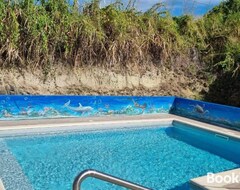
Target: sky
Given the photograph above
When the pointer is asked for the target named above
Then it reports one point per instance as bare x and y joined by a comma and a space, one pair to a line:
176, 7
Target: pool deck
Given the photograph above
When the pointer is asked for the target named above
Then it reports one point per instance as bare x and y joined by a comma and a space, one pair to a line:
64, 124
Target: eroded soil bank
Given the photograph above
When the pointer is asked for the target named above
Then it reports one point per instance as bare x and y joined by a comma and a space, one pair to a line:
100, 81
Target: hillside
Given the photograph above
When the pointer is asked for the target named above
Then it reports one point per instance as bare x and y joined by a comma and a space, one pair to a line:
52, 47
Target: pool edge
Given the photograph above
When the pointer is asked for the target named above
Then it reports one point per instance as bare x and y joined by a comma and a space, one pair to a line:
1, 185
8, 126
202, 182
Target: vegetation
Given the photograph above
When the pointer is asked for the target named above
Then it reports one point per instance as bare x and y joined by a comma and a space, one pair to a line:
48, 32
223, 36
44, 32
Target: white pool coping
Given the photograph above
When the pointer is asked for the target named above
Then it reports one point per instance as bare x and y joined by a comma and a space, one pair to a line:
1, 185
8, 127
202, 182
24, 127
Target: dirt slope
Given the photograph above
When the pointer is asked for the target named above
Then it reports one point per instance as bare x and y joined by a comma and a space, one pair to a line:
95, 81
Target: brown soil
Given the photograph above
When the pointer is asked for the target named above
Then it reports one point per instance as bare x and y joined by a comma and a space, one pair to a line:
96, 81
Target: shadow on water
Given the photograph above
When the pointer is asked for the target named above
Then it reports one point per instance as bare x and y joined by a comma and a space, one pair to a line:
225, 90
184, 186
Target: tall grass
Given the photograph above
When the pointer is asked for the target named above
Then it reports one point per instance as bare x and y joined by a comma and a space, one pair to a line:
47, 32
52, 31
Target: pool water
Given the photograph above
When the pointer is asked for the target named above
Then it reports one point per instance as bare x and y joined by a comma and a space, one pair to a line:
157, 157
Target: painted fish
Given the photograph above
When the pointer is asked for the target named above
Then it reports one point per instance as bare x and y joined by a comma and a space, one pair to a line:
137, 105
80, 108
200, 109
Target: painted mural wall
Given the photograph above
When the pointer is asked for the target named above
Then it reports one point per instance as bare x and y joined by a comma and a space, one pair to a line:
35, 107
208, 112
32, 107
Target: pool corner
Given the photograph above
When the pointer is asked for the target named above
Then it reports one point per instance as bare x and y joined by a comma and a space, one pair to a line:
219, 181
1, 185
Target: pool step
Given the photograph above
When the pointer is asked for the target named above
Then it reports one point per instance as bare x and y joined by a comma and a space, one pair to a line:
202, 183
10, 171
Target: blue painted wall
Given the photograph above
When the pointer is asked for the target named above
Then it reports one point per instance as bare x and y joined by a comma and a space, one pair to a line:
208, 112
34, 107
30, 107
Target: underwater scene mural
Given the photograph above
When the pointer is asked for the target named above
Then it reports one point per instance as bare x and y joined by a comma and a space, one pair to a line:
37, 107
217, 114
34, 107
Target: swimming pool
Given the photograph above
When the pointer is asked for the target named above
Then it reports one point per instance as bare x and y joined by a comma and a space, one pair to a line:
161, 157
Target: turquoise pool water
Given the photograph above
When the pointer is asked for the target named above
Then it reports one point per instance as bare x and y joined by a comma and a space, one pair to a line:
159, 157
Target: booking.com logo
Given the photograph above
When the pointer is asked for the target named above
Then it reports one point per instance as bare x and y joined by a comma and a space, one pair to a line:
226, 179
